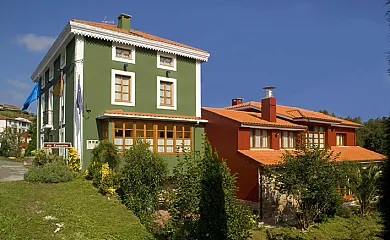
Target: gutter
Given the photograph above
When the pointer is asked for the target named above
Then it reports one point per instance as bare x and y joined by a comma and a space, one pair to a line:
108, 115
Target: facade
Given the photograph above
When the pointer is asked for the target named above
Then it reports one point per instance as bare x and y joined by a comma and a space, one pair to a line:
255, 134
103, 81
18, 125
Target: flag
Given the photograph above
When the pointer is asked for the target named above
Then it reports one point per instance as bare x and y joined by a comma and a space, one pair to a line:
34, 95
58, 89
79, 99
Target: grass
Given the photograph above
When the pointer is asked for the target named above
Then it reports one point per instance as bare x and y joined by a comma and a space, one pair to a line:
355, 227
84, 213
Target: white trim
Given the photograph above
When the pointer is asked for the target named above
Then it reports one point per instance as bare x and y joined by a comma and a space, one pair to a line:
174, 95
78, 119
109, 115
198, 89
43, 81
132, 86
113, 36
124, 46
346, 126
273, 127
50, 102
167, 55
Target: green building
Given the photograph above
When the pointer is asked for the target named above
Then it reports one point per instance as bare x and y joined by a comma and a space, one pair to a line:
132, 85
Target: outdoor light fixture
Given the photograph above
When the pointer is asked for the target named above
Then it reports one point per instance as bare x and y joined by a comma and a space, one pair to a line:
277, 134
167, 73
125, 66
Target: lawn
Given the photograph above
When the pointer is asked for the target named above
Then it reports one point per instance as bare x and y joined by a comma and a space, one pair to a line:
357, 228
83, 212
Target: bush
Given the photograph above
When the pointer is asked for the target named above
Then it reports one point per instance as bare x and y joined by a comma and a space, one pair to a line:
109, 180
106, 152
53, 172
73, 160
142, 178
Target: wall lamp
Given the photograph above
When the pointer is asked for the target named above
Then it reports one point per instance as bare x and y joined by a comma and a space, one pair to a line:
167, 73
125, 66
277, 134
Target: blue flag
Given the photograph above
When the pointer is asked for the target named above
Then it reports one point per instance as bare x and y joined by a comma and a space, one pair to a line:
79, 99
34, 95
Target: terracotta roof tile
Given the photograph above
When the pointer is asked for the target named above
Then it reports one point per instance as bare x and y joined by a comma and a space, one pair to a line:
121, 112
251, 118
134, 33
295, 113
347, 153
356, 153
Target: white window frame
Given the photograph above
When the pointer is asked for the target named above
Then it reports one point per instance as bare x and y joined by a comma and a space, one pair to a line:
43, 81
174, 96
127, 47
50, 107
42, 112
61, 139
159, 54
51, 72
62, 102
115, 72
63, 63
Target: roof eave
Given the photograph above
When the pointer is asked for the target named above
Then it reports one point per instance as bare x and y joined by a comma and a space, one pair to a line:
178, 119
264, 126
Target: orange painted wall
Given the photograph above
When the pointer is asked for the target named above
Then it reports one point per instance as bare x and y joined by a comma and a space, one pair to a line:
227, 137
350, 135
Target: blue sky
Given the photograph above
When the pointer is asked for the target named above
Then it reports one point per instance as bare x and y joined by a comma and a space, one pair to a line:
318, 54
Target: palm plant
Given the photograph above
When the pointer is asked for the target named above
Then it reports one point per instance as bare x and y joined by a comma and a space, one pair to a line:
364, 183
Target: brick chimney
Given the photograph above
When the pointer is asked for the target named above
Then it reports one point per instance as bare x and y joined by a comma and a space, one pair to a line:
124, 21
236, 101
268, 105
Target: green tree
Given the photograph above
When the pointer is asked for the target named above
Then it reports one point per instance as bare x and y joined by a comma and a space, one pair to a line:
8, 143
364, 183
372, 135
199, 180
310, 176
32, 144
385, 185
142, 178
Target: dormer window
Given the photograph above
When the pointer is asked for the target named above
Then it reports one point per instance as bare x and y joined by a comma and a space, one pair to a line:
123, 53
166, 61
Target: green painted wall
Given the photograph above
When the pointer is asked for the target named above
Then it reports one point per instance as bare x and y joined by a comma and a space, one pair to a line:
97, 86
69, 91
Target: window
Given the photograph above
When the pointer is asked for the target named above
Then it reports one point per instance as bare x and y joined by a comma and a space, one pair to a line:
340, 139
43, 82
51, 73
287, 140
50, 107
259, 138
122, 88
62, 103
163, 138
166, 93
315, 137
43, 108
166, 61
123, 53
63, 60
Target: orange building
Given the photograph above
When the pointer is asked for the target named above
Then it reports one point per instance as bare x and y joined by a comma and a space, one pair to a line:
252, 135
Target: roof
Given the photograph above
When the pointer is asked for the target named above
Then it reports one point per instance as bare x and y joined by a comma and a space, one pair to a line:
135, 33
252, 118
9, 106
139, 115
3, 117
347, 153
297, 113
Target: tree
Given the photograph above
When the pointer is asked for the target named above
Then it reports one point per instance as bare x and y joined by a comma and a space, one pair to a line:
310, 176
205, 204
8, 143
32, 144
372, 135
364, 183
142, 178
385, 185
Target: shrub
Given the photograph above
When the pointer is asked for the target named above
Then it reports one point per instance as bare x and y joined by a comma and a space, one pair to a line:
73, 160
52, 172
106, 152
39, 157
142, 178
109, 180
9, 143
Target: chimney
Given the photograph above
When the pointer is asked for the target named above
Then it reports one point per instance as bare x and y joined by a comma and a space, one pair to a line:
236, 101
268, 105
124, 21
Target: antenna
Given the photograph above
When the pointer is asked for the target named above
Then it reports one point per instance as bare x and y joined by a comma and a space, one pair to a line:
107, 22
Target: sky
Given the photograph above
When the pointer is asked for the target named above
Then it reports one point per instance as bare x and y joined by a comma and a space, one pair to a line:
318, 54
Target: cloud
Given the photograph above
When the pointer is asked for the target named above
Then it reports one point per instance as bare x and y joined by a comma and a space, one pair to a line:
35, 43
18, 84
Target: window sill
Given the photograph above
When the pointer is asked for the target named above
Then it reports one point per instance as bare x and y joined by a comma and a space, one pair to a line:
167, 67
166, 107
129, 104
124, 60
